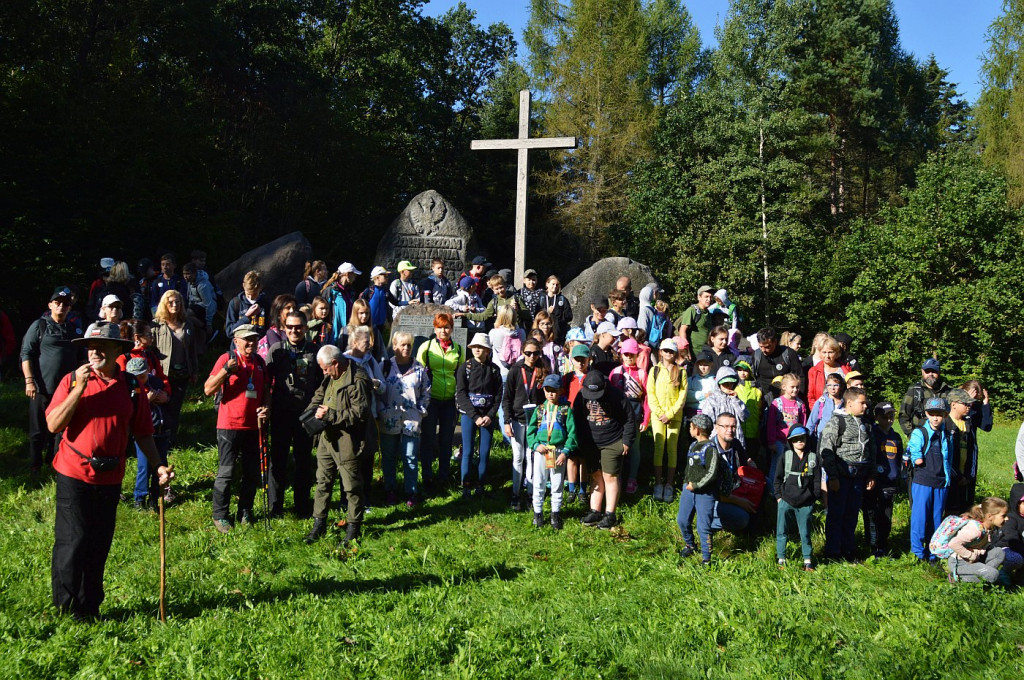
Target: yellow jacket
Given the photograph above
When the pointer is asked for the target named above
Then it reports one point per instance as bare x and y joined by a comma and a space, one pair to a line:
663, 398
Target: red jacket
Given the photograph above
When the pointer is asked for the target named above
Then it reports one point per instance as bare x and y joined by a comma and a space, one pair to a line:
816, 380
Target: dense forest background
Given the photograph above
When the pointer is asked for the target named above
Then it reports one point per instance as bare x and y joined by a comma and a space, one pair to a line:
826, 177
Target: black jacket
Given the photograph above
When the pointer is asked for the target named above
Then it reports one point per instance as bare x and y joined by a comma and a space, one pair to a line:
517, 394
1012, 533
804, 485
296, 376
619, 423
480, 383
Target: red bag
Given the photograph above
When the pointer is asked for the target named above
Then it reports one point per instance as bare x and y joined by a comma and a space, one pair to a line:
751, 486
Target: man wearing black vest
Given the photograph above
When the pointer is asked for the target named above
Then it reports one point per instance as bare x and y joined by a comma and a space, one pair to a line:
773, 360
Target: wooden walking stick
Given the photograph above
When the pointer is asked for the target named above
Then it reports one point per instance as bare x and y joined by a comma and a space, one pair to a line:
163, 560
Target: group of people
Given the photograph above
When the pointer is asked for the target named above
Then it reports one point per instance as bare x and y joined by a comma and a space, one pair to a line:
584, 408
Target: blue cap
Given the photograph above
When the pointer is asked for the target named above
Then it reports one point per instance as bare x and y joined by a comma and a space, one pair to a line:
797, 431
931, 365
936, 404
576, 334
552, 382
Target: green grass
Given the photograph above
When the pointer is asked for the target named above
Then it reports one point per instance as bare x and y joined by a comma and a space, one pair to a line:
469, 589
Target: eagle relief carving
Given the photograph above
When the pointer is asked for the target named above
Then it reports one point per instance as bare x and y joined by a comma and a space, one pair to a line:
427, 214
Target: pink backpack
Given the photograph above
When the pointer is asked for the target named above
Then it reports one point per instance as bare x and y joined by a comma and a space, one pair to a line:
512, 349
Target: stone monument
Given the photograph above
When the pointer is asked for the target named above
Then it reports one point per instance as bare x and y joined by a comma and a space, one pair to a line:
429, 227
419, 320
599, 279
281, 262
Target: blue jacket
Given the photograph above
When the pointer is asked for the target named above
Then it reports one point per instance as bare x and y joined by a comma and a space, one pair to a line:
377, 297
921, 439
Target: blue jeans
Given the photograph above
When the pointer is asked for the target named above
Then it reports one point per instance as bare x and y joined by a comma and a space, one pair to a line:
925, 516
802, 517
841, 520
146, 482
732, 518
703, 506
438, 432
390, 447
1012, 560
469, 430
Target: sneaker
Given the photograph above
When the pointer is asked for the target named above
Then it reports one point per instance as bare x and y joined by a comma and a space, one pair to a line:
667, 493
592, 518
687, 551
538, 519
245, 518
556, 521
608, 521
467, 492
516, 504
631, 486
658, 489
139, 505
952, 577
808, 566
222, 525
781, 563
412, 501
705, 563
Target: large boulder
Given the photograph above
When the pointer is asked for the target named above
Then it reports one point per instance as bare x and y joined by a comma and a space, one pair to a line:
600, 278
281, 262
429, 227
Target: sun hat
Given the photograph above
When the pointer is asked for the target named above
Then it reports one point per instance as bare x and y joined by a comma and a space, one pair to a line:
481, 340
101, 330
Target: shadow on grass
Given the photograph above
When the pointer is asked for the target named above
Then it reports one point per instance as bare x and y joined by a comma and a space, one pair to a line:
196, 606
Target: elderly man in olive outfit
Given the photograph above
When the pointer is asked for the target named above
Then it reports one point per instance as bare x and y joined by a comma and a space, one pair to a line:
343, 405
294, 375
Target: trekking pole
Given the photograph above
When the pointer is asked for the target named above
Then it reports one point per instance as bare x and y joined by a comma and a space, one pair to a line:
264, 472
163, 560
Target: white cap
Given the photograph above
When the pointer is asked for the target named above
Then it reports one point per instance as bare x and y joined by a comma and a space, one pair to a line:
348, 268
107, 262
607, 327
377, 271
627, 322
110, 300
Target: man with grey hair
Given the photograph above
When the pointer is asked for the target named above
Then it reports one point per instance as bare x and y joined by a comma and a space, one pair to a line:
343, 404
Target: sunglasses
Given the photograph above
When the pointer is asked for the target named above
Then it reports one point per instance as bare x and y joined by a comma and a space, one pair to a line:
531, 354
294, 327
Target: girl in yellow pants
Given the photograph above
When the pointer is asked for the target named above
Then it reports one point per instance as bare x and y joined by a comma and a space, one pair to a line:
666, 395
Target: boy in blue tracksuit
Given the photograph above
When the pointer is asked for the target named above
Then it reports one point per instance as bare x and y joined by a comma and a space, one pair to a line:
930, 452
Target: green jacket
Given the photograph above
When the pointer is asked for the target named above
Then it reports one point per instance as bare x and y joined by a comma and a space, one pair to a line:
441, 366
347, 399
491, 310
563, 430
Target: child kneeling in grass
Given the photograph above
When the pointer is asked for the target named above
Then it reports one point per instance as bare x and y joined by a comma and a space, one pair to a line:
551, 436
797, 484
700, 488
965, 540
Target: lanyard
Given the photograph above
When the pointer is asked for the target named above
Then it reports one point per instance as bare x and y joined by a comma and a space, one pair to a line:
529, 386
550, 418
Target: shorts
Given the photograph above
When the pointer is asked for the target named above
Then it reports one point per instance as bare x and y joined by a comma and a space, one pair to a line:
607, 458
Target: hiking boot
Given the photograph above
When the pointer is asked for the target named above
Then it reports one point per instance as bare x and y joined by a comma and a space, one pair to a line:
608, 521
592, 518
318, 530
245, 518
516, 504
222, 525
631, 486
781, 563
352, 533
687, 551
467, 492
538, 519
556, 521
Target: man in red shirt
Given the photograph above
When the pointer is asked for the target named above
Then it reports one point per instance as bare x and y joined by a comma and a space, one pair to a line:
94, 408
240, 375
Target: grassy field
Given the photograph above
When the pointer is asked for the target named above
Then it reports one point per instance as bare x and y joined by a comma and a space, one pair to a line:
469, 589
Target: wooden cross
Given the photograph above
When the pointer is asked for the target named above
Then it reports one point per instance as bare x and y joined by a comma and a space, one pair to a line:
523, 144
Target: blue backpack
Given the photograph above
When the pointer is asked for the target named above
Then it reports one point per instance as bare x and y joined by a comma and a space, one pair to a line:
657, 333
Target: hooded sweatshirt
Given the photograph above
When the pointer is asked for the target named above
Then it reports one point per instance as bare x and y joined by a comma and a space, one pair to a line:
718, 402
1012, 534
646, 315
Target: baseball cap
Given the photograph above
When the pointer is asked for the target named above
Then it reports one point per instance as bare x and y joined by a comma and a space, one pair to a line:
377, 271
552, 382
405, 266
61, 291
480, 260
705, 356
580, 351
110, 300
630, 346
843, 338
960, 395
594, 385
797, 431
137, 366
853, 375
607, 327
726, 374
931, 365
884, 407
705, 289
936, 404
245, 331
703, 422
668, 344
348, 268
530, 274
467, 282
576, 334
627, 322
744, 365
